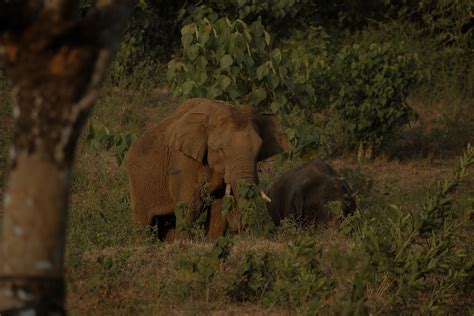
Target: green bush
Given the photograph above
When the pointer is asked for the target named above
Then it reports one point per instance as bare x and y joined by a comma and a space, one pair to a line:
99, 135
308, 51
230, 60
270, 12
290, 279
441, 20
148, 43
371, 84
434, 31
411, 253
196, 271
254, 216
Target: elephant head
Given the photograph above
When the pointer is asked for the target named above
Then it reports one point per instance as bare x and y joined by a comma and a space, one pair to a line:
229, 139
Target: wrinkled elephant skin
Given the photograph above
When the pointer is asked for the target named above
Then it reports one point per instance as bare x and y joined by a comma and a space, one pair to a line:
205, 145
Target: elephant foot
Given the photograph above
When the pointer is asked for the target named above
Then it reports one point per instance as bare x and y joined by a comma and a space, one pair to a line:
163, 227
170, 235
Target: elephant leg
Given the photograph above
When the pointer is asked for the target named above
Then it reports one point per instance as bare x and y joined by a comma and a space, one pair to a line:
169, 235
217, 221
185, 185
163, 227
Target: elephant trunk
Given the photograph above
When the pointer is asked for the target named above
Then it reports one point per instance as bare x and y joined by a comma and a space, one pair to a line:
243, 170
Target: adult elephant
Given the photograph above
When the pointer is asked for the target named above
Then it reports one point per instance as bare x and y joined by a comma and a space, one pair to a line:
204, 145
304, 193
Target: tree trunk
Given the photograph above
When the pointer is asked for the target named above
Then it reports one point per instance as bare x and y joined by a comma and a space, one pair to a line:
56, 63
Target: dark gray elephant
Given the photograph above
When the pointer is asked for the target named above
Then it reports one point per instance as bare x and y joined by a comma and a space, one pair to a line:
305, 191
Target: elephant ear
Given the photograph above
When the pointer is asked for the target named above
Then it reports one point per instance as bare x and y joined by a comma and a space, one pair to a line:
273, 137
189, 135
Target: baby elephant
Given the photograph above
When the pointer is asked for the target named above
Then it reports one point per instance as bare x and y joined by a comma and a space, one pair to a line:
305, 191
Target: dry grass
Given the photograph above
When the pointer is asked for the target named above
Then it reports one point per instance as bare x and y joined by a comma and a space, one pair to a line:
112, 269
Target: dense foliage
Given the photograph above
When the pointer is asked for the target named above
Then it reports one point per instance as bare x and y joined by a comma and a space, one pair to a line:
371, 85
393, 261
233, 61
354, 60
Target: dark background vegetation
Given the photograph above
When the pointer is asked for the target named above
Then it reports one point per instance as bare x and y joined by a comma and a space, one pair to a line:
383, 90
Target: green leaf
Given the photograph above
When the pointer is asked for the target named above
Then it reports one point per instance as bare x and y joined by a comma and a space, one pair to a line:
249, 62
226, 61
186, 40
276, 56
258, 95
257, 29
203, 38
214, 92
290, 133
262, 71
224, 82
275, 107
228, 203
274, 80
187, 87
267, 38
192, 52
203, 77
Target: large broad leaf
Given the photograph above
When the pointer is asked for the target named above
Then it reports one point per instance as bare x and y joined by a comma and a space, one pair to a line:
187, 35
203, 77
192, 52
226, 61
258, 95
257, 29
187, 87
274, 80
262, 71
267, 38
275, 107
214, 92
224, 82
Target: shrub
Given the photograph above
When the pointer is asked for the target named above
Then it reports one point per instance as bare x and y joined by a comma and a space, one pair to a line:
148, 43
254, 216
289, 279
99, 135
196, 271
271, 12
230, 60
413, 252
371, 84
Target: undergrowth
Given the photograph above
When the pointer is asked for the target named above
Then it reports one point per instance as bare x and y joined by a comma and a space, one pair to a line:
401, 260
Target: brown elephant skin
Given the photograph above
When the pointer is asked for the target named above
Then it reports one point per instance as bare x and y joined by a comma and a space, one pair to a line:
205, 145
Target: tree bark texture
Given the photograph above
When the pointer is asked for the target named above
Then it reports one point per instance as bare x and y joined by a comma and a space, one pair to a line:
56, 63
